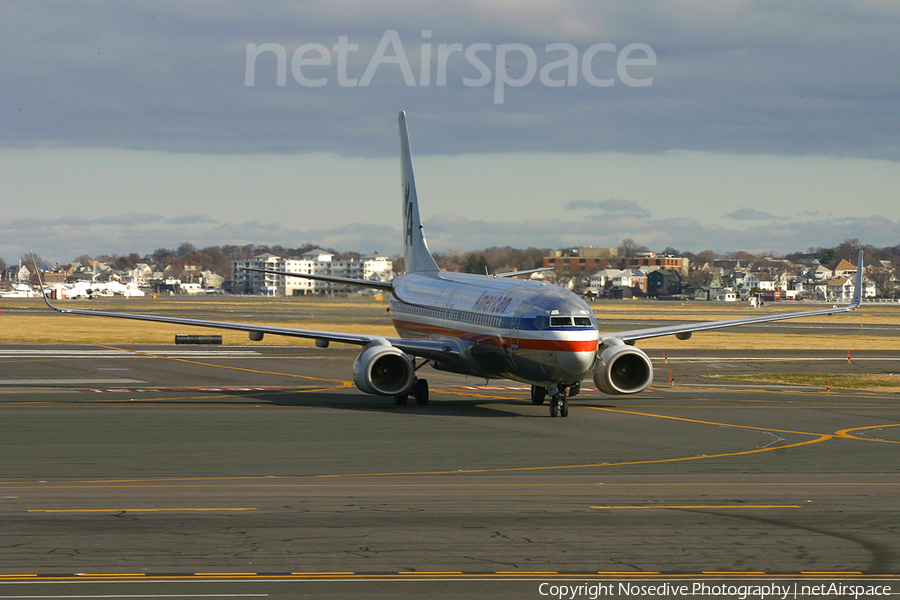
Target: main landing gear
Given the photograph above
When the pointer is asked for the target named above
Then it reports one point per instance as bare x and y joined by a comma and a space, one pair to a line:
419, 391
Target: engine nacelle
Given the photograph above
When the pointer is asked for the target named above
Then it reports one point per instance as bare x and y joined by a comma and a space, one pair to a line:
384, 370
622, 369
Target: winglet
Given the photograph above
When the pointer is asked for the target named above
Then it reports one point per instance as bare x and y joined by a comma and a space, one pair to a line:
858, 285
415, 250
40, 279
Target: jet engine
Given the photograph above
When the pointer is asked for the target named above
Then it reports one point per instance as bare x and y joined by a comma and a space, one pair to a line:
621, 369
383, 370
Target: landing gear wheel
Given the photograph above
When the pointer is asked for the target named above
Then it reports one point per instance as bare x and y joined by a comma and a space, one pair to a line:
420, 391
559, 404
538, 394
401, 399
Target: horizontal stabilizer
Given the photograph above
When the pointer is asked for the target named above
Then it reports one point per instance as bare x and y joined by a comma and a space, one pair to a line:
378, 285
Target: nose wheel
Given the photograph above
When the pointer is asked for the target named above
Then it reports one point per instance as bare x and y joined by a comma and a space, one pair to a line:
559, 403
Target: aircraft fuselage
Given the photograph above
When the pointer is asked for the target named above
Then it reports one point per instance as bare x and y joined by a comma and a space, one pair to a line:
523, 330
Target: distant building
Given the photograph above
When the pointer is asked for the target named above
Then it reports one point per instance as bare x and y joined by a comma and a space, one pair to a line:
609, 278
662, 261
663, 282
844, 269
315, 262
580, 261
760, 282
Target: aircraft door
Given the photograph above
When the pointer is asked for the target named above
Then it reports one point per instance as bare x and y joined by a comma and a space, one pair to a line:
515, 326
514, 334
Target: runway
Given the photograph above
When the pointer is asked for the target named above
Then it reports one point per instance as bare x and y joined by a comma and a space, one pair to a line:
250, 470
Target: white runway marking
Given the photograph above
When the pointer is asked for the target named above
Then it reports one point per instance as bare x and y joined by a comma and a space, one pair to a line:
141, 596
68, 381
53, 353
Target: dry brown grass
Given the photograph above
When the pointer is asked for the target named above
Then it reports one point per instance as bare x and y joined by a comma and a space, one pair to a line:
75, 329
29, 321
881, 383
725, 340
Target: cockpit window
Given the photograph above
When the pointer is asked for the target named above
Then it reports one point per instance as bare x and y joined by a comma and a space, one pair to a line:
543, 321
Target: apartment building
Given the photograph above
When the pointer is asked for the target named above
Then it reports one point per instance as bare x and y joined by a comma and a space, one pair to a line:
315, 262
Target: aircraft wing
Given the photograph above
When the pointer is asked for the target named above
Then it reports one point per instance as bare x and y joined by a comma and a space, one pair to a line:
685, 330
423, 348
433, 349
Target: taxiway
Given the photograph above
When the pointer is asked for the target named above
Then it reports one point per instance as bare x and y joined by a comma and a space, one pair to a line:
254, 465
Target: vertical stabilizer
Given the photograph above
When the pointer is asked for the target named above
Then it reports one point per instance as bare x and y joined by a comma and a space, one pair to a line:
415, 250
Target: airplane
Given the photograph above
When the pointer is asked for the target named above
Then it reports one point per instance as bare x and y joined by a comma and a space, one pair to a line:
486, 326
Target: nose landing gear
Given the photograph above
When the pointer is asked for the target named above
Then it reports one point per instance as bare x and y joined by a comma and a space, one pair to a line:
559, 401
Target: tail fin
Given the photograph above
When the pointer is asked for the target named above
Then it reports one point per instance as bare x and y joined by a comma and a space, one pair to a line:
415, 249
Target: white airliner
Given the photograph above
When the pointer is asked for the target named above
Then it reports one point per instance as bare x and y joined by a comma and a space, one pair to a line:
495, 327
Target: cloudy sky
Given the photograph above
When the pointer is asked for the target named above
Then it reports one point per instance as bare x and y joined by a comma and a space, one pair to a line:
693, 124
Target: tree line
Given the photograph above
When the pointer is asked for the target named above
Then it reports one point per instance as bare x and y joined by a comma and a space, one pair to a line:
497, 259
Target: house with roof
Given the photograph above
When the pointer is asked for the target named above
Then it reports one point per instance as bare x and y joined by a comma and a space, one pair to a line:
844, 269
624, 278
819, 273
760, 282
839, 289
663, 282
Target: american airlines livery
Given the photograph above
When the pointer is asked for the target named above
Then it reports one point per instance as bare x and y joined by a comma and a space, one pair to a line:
484, 326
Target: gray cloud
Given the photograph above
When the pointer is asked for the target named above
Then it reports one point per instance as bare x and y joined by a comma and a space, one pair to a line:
731, 78
745, 78
126, 219
447, 232
192, 220
62, 239
749, 214
613, 206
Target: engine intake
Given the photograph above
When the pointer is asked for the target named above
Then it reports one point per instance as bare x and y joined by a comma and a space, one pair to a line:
622, 369
383, 370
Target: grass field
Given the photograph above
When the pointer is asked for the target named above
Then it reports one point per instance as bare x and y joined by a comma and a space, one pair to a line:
882, 383
30, 321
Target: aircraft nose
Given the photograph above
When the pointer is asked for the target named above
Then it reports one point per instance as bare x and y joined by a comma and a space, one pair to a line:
576, 363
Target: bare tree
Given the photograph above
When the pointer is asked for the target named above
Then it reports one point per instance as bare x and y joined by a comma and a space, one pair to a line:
627, 249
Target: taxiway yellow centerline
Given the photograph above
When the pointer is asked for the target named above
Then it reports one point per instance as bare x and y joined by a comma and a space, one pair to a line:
342, 383
845, 433
696, 506
122, 510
